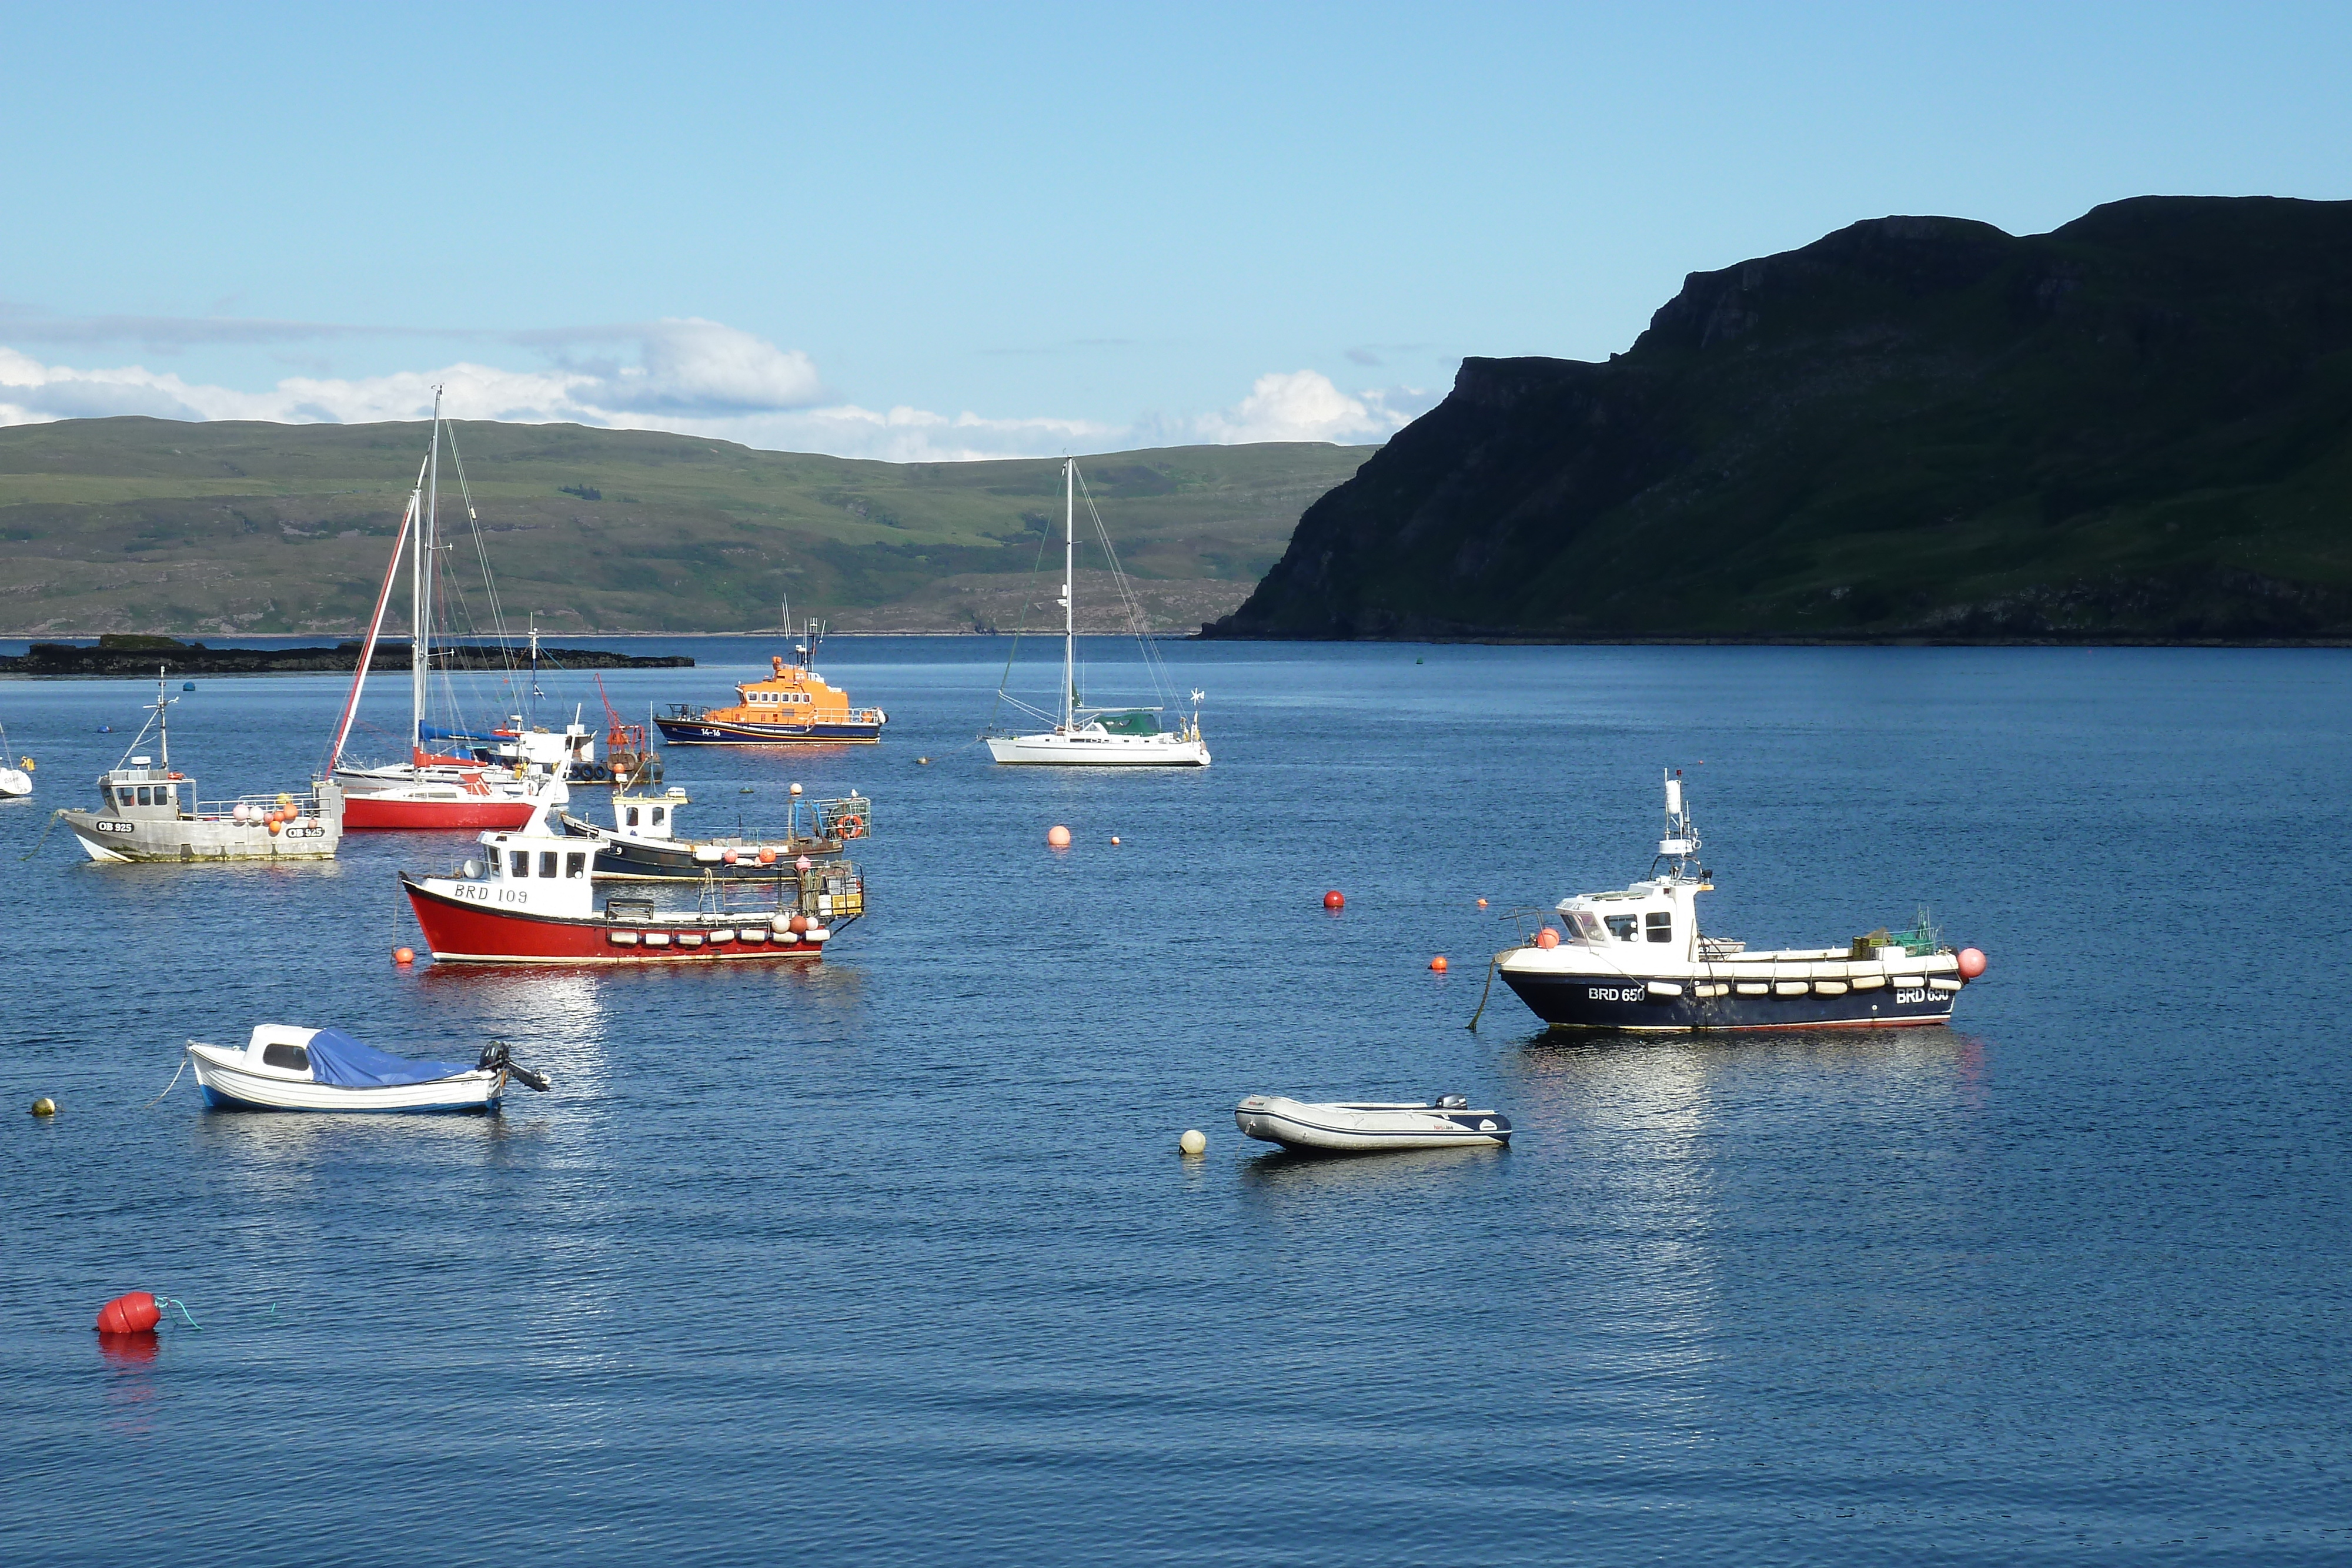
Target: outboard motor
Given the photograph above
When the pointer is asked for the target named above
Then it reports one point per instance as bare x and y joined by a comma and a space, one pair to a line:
1453, 1103
495, 1057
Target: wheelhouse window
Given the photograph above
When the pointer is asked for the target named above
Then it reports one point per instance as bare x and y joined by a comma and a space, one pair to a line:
1662, 927
1583, 925
292, 1058
1624, 927
632, 816
146, 796
657, 816
575, 866
519, 863
547, 863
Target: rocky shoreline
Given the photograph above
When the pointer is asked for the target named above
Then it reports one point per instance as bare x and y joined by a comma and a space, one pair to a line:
145, 655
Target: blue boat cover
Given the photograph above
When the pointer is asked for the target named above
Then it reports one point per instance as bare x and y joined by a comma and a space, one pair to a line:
435, 732
336, 1058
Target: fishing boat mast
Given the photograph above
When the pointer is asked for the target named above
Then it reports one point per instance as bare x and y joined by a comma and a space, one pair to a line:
1069, 613
163, 721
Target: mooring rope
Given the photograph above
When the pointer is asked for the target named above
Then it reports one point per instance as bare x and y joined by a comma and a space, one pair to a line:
44, 839
1491, 964
173, 1084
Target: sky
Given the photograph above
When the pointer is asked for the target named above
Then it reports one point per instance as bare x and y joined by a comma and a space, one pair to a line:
921, 233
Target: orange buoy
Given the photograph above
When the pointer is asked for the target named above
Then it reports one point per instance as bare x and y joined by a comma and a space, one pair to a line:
1335, 899
133, 1313
1546, 938
403, 955
1058, 836
1437, 965
1482, 903
767, 854
1114, 837
275, 827
728, 856
797, 924
1972, 963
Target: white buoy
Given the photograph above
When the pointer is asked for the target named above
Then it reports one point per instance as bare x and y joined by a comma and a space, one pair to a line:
1193, 1142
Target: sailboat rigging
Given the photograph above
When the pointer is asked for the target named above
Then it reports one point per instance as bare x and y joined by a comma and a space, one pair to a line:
427, 791
1085, 735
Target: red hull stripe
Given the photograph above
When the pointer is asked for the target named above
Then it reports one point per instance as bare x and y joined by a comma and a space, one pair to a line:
469, 933
390, 811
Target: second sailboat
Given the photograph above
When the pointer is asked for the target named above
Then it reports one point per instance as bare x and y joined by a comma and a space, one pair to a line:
1085, 735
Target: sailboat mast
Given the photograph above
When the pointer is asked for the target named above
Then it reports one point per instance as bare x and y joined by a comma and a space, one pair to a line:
420, 653
1069, 607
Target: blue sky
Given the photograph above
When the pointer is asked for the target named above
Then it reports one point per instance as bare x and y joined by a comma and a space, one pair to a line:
912, 232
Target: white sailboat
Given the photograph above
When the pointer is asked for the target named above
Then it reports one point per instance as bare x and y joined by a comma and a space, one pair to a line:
427, 791
16, 782
1084, 735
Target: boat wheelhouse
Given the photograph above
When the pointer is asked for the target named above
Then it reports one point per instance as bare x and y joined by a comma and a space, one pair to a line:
793, 705
1635, 958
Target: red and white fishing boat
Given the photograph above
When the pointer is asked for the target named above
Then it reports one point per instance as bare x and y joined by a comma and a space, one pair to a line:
429, 791
530, 900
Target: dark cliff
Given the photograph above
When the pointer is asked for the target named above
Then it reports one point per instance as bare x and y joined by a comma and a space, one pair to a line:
2138, 427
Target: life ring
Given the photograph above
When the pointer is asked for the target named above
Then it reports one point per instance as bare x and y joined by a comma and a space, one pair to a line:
850, 827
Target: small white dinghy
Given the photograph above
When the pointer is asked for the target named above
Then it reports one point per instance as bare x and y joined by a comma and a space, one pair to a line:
1350, 1126
283, 1069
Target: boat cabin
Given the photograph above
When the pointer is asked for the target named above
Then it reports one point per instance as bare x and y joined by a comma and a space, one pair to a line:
144, 792
1660, 917
651, 817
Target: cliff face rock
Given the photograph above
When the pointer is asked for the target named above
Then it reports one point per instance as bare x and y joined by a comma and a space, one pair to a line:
2137, 425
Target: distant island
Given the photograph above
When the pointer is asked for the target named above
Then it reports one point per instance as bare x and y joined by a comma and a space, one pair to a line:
2135, 428
127, 654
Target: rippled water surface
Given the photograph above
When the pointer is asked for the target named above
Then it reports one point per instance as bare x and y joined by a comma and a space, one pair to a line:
896, 1260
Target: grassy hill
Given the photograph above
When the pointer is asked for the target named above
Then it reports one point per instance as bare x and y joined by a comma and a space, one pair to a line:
2138, 427
145, 525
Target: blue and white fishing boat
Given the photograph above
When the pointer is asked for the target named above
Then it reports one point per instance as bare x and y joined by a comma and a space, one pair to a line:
1635, 958
290, 1069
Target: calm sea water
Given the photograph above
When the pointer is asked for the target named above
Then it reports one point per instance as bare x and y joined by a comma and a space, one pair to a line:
896, 1260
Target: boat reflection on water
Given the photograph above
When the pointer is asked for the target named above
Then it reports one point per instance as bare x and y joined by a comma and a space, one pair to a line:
1556, 1075
1279, 1171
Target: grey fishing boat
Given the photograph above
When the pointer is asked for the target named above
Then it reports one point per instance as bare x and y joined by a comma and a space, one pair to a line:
147, 811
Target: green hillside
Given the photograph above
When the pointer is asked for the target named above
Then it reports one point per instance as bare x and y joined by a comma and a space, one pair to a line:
2138, 427
145, 525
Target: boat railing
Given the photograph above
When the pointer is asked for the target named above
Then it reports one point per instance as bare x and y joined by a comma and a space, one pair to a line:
686, 711
307, 804
845, 820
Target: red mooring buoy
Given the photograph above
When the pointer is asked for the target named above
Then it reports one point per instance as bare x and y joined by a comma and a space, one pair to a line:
1335, 899
134, 1314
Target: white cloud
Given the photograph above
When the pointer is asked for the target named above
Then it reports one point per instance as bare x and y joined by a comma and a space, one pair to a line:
1303, 406
697, 378
695, 366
